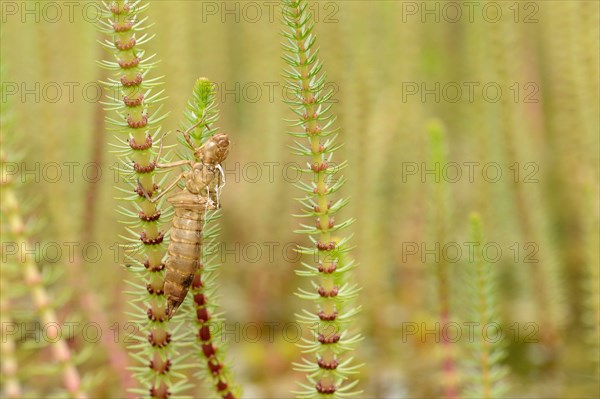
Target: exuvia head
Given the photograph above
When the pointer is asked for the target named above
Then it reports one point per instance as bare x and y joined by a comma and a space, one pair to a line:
214, 151
207, 171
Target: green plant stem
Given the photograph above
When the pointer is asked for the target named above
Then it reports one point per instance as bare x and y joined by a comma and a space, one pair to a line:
41, 300
209, 349
322, 199
329, 372
482, 278
9, 366
132, 104
12, 387
441, 218
204, 286
318, 158
490, 382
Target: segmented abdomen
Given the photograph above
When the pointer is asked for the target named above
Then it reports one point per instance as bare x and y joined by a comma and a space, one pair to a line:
185, 251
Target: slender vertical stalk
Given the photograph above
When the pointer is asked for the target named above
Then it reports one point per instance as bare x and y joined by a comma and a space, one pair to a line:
440, 219
488, 380
40, 298
137, 124
8, 274
328, 371
10, 381
216, 372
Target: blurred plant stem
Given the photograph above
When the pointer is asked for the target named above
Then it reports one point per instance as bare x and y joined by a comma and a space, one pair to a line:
440, 220
34, 282
486, 374
10, 380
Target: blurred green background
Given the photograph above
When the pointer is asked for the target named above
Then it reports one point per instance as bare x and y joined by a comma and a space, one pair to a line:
515, 84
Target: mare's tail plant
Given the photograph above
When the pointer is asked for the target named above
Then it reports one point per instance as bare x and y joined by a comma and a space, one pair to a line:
328, 366
10, 282
136, 123
22, 268
209, 344
486, 373
440, 220
10, 384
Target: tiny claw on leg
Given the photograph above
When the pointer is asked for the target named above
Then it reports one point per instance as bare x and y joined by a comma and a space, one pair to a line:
186, 134
188, 139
